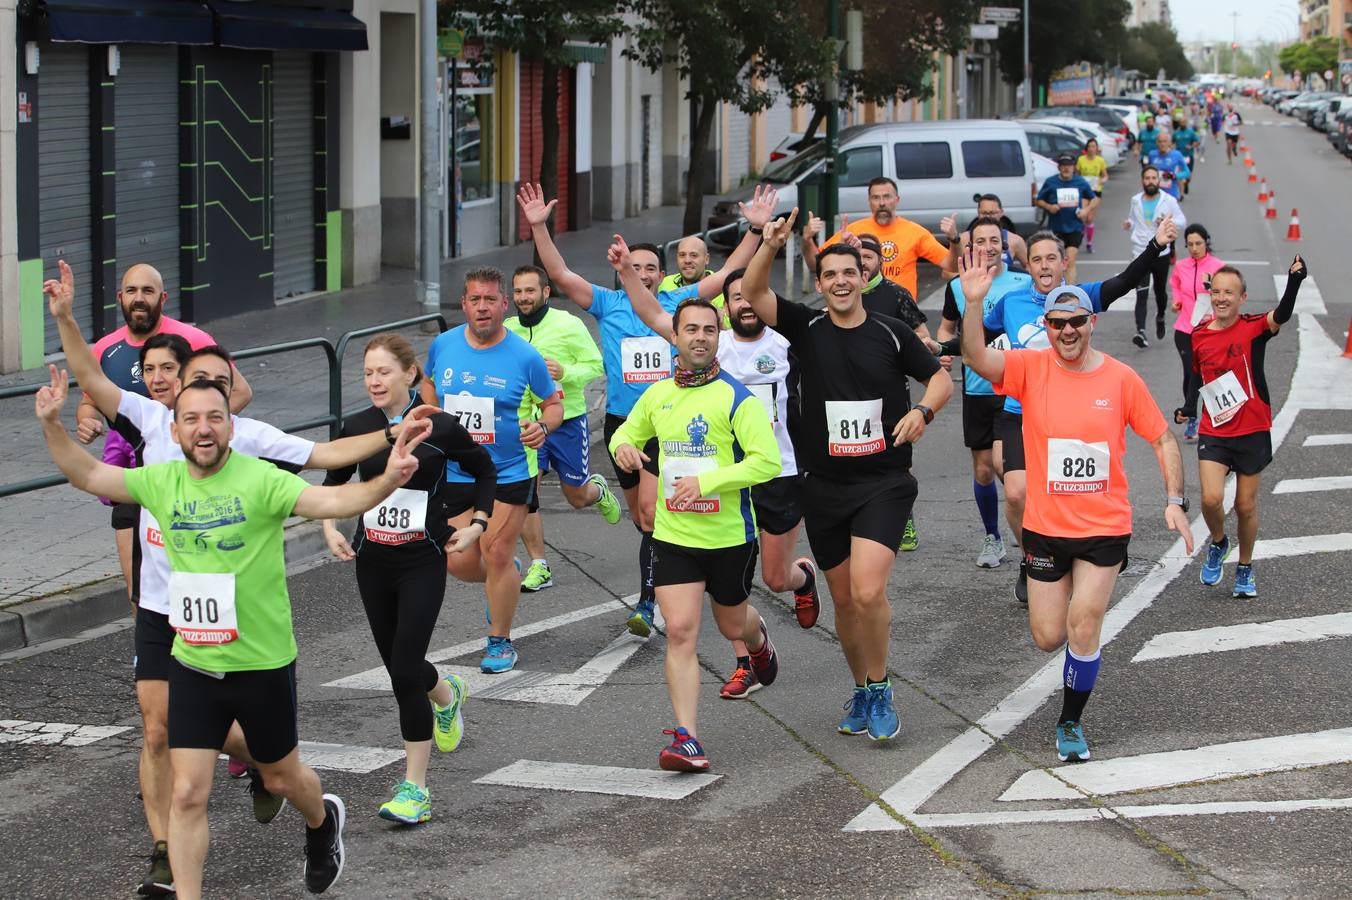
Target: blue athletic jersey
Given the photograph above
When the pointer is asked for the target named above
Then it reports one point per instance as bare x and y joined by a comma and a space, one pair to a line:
1064, 195
512, 375
1172, 167
1006, 282
617, 320
1019, 315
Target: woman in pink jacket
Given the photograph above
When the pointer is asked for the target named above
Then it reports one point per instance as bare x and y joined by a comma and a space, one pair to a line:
1190, 286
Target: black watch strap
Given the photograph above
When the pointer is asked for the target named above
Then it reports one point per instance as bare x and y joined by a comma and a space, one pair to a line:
925, 411
389, 435
480, 521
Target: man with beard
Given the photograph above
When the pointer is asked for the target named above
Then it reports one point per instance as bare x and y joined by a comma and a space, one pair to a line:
574, 361
141, 300
1078, 403
488, 378
1148, 208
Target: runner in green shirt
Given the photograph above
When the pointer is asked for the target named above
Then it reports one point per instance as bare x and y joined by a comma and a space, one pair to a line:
714, 442
222, 515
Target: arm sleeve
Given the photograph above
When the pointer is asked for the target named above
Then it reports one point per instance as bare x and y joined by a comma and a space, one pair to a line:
603, 300
1016, 373
270, 442
761, 461
282, 490
142, 412
1287, 305
792, 319
1175, 281
141, 485
637, 428
1126, 280
451, 438
916, 359
541, 383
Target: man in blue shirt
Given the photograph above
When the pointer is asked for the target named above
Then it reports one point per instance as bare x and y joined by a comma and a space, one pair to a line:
1172, 165
1067, 198
499, 387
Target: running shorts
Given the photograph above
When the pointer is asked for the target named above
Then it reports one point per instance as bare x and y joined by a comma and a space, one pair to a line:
566, 452
1247, 454
1009, 430
835, 512
263, 701
1050, 559
726, 571
1072, 239
778, 504
460, 494
154, 640
125, 515
980, 412
628, 480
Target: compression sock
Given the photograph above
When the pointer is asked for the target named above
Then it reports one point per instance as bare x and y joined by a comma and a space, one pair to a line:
1078, 674
646, 594
988, 504
744, 662
1089, 232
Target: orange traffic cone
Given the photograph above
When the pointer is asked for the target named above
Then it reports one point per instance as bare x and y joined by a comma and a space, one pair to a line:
1347, 350
1253, 176
1271, 211
1263, 192
1293, 229
1248, 161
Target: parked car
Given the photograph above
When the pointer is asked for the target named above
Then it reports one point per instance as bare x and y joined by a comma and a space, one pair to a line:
1287, 105
1328, 118
1129, 118
937, 166
793, 144
1106, 119
1277, 97
1110, 145
1304, 109
1342, 134
1050, 140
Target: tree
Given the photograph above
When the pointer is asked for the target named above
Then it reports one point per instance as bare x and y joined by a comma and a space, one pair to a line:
900, 37
1154, 46
1307, 57
537, 30
1064, 32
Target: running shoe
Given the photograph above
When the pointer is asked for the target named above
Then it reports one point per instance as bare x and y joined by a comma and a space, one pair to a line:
410, 805
1159, 327
806, 604
641, 622
1245, 587
741, 685
1089, 247
684, 755
909, 539
448, 722
538, 577
236, 768
1216, 555
1021, 584
606, 504
1070, 743
324, 847
159, 881
1190, 431
992, 552
266, 804
1139, 340
856, 713
883, 724
765, 661
499, 657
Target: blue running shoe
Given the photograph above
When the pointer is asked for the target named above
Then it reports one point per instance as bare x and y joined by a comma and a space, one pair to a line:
684, 755
641, 622
1070, 743
1215, 558
1190, 432
499, 657
1244, 583
883, 724
856, 713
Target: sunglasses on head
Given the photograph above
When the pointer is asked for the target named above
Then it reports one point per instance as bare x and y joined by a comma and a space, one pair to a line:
1073, 322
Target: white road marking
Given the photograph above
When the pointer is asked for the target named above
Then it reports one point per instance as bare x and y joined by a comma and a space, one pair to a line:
1319, 365
344, 758
18, 731
1308, 298
1311, 485
1242, 637
1327, 440
1094, 814
1160, 770
551, 776
1299, 546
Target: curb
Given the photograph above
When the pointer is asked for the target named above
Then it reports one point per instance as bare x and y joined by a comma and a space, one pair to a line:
70, 612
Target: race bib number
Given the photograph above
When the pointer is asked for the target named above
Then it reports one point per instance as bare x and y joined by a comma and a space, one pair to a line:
1223, 398
1094, 181
399, 519
1076, 467
679, 467
855, 427
202, 608
1067, 198
644, 360
765, 393
475, 414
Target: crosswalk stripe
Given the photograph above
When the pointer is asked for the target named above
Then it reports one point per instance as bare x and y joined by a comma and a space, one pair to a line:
1311, 485
1247, 635
19, 731
555, 776
1327, 440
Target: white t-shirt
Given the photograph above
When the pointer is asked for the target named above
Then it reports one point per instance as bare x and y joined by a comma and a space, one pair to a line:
1232, 123
762, 366
152, 419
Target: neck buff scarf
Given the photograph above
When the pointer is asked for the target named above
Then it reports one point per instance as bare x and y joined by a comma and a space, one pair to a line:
530, 320
688, 378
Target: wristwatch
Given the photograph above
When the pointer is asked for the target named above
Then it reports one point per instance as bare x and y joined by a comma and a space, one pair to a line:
756, 229
925, 411
1181, 502
389, 435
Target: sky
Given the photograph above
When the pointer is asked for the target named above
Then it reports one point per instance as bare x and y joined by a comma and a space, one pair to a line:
1211, 19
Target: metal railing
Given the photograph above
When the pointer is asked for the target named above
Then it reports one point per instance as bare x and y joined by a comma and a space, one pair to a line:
333, 356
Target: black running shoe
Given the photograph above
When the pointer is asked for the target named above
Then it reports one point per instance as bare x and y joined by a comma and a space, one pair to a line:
324, 847
1159, 327
1021, 586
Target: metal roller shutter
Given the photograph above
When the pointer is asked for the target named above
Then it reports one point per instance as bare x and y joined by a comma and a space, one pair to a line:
147, 164
293, 243
64, 226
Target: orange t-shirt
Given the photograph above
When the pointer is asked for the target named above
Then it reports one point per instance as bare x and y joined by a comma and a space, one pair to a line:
903, 242
1074, 440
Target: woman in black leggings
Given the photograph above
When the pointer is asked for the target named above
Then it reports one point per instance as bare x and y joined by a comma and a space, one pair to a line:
400, 549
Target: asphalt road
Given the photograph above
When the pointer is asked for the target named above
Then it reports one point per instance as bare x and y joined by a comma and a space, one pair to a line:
970, 799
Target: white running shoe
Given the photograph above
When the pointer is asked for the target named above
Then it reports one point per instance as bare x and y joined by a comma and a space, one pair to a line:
992, 552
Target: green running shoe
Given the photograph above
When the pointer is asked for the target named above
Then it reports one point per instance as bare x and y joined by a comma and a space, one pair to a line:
266, 805
606, 504
538, 577
411, 805
159, 881
448, 722
909, 539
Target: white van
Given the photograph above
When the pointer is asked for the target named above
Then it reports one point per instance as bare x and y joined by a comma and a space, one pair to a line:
937, 166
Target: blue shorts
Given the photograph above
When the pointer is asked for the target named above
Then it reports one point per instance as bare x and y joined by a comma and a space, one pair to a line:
566, 451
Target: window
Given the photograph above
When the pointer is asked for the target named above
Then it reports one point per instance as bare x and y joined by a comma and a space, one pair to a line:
860, 166
473, 145
927, 159
992, 159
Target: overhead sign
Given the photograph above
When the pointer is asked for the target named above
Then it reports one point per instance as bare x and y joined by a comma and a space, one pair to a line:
985, 32
1001, 14
1072, 85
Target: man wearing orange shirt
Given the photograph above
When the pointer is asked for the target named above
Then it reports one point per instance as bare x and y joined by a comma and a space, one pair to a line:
903, 241
1077, 405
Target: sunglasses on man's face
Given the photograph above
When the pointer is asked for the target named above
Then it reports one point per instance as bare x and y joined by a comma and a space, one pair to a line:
1073, 322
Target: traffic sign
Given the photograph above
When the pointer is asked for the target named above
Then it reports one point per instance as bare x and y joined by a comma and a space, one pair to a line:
1000, 14
1328, 74
985, 32
1347, 78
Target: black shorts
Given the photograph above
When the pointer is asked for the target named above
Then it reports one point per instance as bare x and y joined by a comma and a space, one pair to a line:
726, 572
263, 701
628, 480
534, 505
1009, 430
1247, 454
460, 495
1232, 139
125, 515
837, 511
980, 412
778, 504
154, 640
1050, 558
1072, 239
